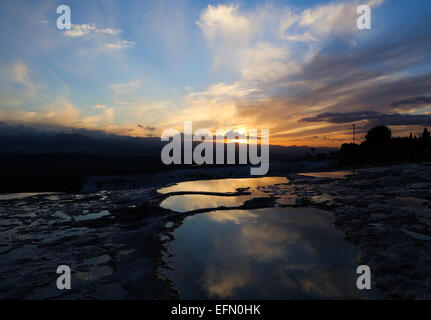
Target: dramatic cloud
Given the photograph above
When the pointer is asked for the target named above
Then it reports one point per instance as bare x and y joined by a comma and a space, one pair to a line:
119, 44
101, 39
224, 21
322, 22
61, 112
305, 72
360, 83
236, 40
80, 30
412, 101
221, 92
394, 119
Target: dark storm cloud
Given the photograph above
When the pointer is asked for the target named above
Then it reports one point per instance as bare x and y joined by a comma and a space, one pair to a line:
373, 83
394, 119
367, 77
343, 117
368, 82
360, 78
412, 101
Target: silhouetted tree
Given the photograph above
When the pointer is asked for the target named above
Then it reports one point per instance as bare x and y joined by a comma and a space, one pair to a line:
379, 134
426, 135
380, 147
348, 154
313, 150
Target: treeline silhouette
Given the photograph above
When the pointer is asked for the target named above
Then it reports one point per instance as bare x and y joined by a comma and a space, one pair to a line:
380, 147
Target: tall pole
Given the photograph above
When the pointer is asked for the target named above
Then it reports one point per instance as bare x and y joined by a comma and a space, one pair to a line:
354, 133
354, 127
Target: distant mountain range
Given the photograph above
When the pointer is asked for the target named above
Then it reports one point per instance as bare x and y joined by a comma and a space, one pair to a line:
29, 140
32, 159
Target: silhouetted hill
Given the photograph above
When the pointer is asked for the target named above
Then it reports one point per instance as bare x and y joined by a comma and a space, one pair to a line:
77, 143
38, 160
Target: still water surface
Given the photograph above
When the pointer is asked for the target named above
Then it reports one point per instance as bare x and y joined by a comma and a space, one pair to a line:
272, 253
223, 185
328, 174
189, 202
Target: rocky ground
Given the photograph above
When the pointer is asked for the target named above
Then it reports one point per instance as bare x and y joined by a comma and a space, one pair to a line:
387, 211
110, 240
113, 240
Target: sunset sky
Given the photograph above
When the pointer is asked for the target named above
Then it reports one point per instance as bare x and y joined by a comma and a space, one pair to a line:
300, 68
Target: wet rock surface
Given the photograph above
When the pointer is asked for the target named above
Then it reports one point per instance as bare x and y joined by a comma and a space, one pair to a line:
386, 211
108, 239
113, 240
